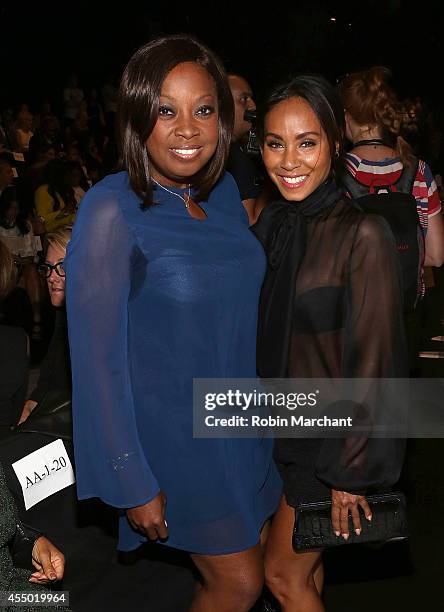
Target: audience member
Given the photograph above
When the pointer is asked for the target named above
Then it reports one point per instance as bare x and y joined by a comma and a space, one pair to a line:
14, 349
55, 200
55, 370
72, 97
23, 131
45, 112
6, 174
35, 174
47, 135
17, 234
380, 157
244, 169
373, 117
33, 548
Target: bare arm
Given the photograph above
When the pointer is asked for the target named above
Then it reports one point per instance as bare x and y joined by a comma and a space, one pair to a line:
434, 242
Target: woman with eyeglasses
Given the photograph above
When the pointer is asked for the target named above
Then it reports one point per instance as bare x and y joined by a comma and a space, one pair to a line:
55, 370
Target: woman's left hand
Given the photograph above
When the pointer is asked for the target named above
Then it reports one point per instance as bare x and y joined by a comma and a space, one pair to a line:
48, 560
342, 505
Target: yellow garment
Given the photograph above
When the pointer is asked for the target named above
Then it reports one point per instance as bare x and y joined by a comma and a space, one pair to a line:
44, 204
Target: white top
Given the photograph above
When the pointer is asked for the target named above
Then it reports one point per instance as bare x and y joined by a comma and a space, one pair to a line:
21, 245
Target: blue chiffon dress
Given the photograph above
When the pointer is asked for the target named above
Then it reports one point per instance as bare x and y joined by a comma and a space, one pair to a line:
154, 299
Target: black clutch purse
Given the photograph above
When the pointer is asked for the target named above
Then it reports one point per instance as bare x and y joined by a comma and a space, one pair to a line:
313, 526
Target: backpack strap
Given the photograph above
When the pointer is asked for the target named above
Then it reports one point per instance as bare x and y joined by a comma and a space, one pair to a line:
407, 179
352, 186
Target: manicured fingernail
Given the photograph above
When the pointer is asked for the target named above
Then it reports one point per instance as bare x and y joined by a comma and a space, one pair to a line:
337, 534
369, 517
345, 536
358, 531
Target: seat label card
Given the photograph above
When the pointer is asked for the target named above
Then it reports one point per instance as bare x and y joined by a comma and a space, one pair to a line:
44, 472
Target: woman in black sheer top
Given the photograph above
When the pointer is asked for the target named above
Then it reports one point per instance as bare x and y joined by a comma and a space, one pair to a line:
331, 307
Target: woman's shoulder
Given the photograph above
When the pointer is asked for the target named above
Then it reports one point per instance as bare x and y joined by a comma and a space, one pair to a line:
115, 182
111, 187
106, 199
226, 185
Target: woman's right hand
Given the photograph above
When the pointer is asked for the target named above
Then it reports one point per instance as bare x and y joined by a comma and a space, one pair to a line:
150, 518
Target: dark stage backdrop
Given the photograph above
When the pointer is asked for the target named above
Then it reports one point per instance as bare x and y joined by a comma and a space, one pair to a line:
42, 43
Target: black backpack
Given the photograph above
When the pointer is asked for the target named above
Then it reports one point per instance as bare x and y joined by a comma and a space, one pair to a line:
397, 205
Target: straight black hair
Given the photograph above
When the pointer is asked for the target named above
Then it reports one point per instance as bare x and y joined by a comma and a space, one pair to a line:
138, 108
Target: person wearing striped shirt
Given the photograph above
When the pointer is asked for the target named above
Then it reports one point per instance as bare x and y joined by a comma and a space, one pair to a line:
374, 118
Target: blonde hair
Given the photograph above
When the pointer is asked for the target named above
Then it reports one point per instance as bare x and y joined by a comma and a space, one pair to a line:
370, 100
59, 239
6, 270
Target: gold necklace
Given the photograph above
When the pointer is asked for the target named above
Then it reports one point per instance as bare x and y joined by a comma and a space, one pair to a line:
194, 210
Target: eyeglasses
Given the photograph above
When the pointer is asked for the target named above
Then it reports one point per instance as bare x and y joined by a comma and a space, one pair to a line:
45, 269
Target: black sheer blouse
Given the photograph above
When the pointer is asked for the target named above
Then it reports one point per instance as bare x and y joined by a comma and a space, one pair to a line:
348, 300
346, 323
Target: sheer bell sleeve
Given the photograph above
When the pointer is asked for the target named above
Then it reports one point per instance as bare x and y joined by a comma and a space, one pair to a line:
110, 462
374, 348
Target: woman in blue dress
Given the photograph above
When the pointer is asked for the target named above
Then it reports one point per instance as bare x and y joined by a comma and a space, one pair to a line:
163, 282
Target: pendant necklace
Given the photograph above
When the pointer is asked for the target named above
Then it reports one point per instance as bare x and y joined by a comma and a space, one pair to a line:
194, 210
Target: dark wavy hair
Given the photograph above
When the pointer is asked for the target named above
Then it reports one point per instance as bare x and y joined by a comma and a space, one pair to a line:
323, 100
138, 108
8, 196
54, 176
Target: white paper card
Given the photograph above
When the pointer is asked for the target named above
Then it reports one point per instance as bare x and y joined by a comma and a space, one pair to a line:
44, 472
14, 173
18, 157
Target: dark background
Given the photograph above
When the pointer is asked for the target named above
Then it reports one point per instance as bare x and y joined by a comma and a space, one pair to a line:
42, 43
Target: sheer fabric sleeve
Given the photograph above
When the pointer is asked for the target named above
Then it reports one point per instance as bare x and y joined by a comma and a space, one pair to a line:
374, 348
110, 462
